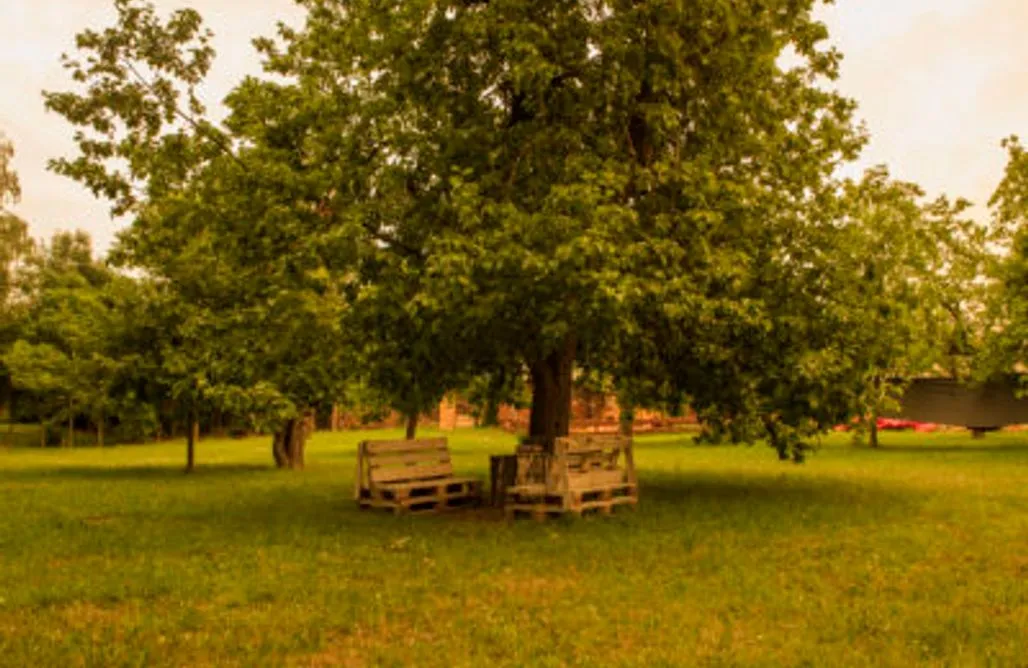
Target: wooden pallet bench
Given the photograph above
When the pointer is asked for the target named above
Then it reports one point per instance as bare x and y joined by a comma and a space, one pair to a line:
411, 476
589, 473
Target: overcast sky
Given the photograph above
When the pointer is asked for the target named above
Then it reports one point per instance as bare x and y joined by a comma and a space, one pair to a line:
939, 83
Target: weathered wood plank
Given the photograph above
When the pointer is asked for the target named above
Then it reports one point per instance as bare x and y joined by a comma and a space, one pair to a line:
427, 457
599, 479
378, 447
434, 482
412, 473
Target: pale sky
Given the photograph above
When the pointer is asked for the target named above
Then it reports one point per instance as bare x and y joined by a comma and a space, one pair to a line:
939, 84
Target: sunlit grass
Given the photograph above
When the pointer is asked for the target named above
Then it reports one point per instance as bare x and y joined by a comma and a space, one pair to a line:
914, 554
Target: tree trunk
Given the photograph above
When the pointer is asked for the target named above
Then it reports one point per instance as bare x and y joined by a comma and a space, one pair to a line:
289, 444
550, 416
192, 437
491, 410
218, 423
42, 434
873, 437
100, 431
9, 437
626, 420
491, 414
190, 450
412, 426
71, 424
334, 419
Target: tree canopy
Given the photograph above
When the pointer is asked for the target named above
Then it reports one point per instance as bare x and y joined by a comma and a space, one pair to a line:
422, 194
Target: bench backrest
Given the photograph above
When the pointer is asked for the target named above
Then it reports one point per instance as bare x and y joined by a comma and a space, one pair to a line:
402, 461
579, 461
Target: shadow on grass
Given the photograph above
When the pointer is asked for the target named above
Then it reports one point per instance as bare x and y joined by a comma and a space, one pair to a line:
667, 502
127, 473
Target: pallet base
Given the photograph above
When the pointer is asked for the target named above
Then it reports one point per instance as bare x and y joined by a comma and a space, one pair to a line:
541, 505
428, 497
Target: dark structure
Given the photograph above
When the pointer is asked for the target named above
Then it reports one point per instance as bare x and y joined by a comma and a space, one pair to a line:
978, 407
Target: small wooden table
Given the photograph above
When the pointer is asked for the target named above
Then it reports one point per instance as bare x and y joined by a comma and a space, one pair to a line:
503, 471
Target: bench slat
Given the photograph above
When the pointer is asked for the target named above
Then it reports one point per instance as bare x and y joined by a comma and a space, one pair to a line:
411, 473
595, 479
431, 457
376, 447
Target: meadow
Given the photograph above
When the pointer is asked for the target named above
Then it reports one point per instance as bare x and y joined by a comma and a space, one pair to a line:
916, 553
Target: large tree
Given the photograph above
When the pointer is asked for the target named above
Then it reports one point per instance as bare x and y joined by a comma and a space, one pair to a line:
567, 176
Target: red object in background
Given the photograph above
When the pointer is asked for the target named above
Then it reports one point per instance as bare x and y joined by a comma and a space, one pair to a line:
894, 424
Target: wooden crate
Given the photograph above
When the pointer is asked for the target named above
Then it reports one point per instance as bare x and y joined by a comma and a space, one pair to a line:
411, 476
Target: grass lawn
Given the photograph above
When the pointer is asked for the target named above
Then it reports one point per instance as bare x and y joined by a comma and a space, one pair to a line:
914, 554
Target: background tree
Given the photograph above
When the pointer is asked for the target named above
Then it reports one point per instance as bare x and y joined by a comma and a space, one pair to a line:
1006, 339
237, 239
15, 247
909, 272
64, 353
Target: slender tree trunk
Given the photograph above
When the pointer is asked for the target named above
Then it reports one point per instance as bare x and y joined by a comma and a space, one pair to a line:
491, 410
100, 430
9, 437
190, 449
218, 423
71, 424
334, 419
491, 414
873, 436
550, 417
412, 426
42, 434
192, 437
626, 420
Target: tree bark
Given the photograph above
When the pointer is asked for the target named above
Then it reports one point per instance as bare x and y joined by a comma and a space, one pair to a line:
412, 426
491, 410
42, 434
71, 424
190, 450
100, 431
550, 417
9, 437
626, 420
219, 423
873, 437
491, 414
288, 445
334, 419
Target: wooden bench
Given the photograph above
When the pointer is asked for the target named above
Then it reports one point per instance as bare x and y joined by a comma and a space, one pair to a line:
411, 476
583, 473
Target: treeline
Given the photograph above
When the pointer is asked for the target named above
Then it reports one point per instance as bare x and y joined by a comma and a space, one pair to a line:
425, 196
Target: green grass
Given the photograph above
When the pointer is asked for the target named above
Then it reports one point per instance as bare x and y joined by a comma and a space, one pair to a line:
914, 554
